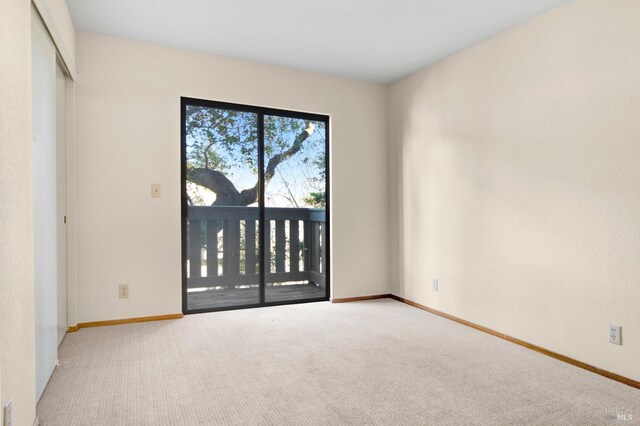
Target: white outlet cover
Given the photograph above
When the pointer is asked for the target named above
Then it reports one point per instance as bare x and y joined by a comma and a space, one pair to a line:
123, 291
434, 284
615, 336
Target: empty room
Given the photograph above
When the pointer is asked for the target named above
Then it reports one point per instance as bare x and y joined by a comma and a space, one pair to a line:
347, 212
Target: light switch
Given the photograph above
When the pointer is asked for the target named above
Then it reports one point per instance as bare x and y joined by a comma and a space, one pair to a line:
155, 190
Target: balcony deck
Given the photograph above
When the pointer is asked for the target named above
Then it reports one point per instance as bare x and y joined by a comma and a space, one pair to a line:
230, 297
223, 254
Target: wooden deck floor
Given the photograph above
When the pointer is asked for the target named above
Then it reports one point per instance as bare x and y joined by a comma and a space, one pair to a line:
224, 298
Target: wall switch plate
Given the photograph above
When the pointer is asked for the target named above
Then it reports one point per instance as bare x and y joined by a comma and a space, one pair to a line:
155, 190
434, 284
8, 408
615, 336
123, 291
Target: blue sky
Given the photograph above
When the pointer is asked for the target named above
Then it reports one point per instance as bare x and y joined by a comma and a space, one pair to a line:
294, 178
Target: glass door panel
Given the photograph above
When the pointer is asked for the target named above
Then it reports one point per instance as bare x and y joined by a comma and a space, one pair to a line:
295, 209
222, 191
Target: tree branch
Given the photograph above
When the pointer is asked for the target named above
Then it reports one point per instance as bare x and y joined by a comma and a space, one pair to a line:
270, 170
226, 192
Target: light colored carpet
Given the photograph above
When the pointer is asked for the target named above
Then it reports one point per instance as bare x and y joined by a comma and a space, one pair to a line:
375, 362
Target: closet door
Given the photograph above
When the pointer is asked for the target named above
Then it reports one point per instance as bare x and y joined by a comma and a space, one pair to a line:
45, 202
61, 171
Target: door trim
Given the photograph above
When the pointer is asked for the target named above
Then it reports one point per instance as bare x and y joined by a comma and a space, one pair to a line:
261, 113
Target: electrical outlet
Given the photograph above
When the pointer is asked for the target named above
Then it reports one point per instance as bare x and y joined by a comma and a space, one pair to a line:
155, 190
615, 335
123, 291
8, 413
434, 284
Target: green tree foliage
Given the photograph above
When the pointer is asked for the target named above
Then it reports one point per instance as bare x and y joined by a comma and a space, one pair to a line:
222, 148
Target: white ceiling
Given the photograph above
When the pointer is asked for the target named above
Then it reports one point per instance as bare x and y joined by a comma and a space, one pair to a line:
373, 40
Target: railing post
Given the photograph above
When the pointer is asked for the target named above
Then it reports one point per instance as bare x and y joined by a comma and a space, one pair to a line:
294, 246
250, 246
231, 238
212, 248
315, 252
195, 244
281, 246
266, 241
307, 245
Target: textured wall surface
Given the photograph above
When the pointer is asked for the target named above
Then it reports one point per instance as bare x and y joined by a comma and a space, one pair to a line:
128, 137
17, 340
516, 180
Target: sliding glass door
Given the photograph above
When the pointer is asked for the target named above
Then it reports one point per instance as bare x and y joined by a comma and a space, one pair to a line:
254, 213
295, 214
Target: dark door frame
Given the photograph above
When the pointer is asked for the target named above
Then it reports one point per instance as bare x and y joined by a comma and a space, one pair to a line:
261, 112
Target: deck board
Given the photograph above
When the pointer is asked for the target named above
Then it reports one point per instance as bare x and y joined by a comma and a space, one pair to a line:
225, 298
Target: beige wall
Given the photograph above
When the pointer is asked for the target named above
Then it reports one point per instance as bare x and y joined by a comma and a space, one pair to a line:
17, 352
518, 183
128, 137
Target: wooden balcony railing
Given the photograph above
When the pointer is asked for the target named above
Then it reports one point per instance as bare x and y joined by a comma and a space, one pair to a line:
222, 246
